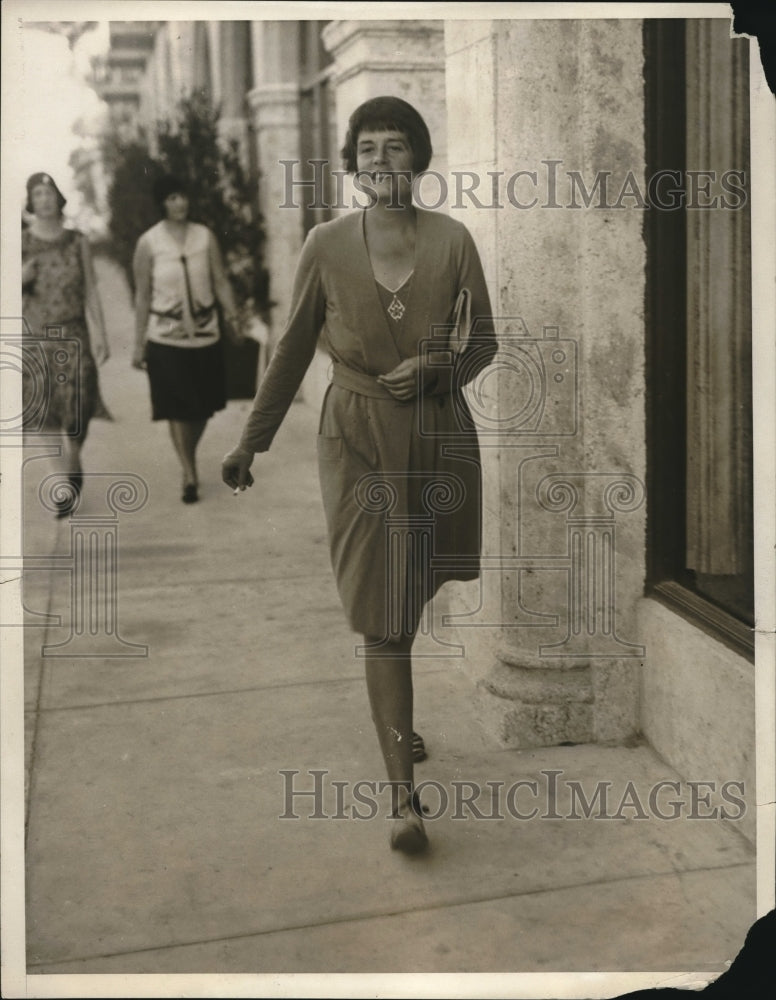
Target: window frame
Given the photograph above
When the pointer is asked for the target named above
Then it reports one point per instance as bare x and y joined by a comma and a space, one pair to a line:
665, 235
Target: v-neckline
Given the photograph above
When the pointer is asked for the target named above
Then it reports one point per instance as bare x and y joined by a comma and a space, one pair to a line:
395, 291
375, 291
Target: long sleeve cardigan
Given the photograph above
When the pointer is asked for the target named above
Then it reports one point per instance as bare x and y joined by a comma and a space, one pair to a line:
400, 480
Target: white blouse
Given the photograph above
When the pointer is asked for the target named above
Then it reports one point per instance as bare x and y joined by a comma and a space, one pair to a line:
183, 306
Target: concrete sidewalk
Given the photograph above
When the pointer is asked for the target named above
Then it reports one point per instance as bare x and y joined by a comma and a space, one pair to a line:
154, 837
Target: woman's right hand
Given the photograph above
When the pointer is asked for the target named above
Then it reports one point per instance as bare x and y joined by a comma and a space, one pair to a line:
406, 379
139, 357
235, 469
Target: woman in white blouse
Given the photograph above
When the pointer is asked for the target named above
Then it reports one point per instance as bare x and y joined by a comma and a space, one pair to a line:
179, 281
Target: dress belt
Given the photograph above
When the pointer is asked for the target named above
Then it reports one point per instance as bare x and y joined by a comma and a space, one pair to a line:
360, 382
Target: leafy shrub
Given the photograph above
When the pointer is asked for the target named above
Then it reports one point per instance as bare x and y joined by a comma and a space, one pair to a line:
133, 171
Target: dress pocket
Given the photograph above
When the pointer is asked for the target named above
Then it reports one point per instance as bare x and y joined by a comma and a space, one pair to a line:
329, 448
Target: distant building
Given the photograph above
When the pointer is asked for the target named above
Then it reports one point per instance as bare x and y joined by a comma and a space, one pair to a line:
120, 76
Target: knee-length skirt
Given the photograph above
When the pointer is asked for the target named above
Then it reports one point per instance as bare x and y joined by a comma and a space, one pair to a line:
402, 505
187, 383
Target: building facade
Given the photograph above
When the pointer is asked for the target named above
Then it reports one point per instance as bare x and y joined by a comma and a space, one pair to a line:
602, 167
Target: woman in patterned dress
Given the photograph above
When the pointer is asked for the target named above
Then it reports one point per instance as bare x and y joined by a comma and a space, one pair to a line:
397, 449
59, 294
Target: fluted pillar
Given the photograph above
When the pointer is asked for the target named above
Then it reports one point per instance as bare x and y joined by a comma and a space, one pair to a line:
274, 108
236, 83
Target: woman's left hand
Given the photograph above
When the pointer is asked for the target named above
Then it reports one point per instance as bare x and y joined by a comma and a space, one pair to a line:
404, 381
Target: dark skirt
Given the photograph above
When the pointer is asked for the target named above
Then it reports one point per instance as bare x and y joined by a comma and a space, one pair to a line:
187, 383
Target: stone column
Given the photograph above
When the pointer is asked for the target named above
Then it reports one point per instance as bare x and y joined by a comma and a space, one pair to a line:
236, 81
216, 58
552, 622
201, 68
274, 107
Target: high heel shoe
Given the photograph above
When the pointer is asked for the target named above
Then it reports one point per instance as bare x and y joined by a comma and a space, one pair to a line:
407, 832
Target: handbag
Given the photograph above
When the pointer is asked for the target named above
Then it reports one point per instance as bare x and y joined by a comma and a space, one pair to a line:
462, 323
444, 360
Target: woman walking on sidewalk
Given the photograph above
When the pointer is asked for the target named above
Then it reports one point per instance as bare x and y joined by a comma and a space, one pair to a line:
60, 306
179, 280
396, 440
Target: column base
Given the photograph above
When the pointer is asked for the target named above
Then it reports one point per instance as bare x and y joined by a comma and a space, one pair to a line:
526, 707
527, 700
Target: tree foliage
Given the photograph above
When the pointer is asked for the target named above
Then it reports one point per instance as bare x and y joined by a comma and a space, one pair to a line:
132, 171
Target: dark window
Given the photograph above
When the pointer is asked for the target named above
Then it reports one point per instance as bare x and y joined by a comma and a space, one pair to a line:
699, 442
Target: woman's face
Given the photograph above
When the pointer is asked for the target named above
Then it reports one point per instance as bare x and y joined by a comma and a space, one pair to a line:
176, 207
44, 201
385, 161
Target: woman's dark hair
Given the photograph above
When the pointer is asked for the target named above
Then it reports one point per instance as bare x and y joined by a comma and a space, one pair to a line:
388, 114
165, 186
40, 178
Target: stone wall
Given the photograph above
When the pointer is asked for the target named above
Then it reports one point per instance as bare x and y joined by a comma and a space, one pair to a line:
697, 704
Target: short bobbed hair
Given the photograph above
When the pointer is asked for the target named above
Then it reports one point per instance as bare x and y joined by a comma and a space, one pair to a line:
388, 114
166, 185
34, 180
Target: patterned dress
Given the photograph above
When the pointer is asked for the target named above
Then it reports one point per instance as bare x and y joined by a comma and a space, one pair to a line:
60, 387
